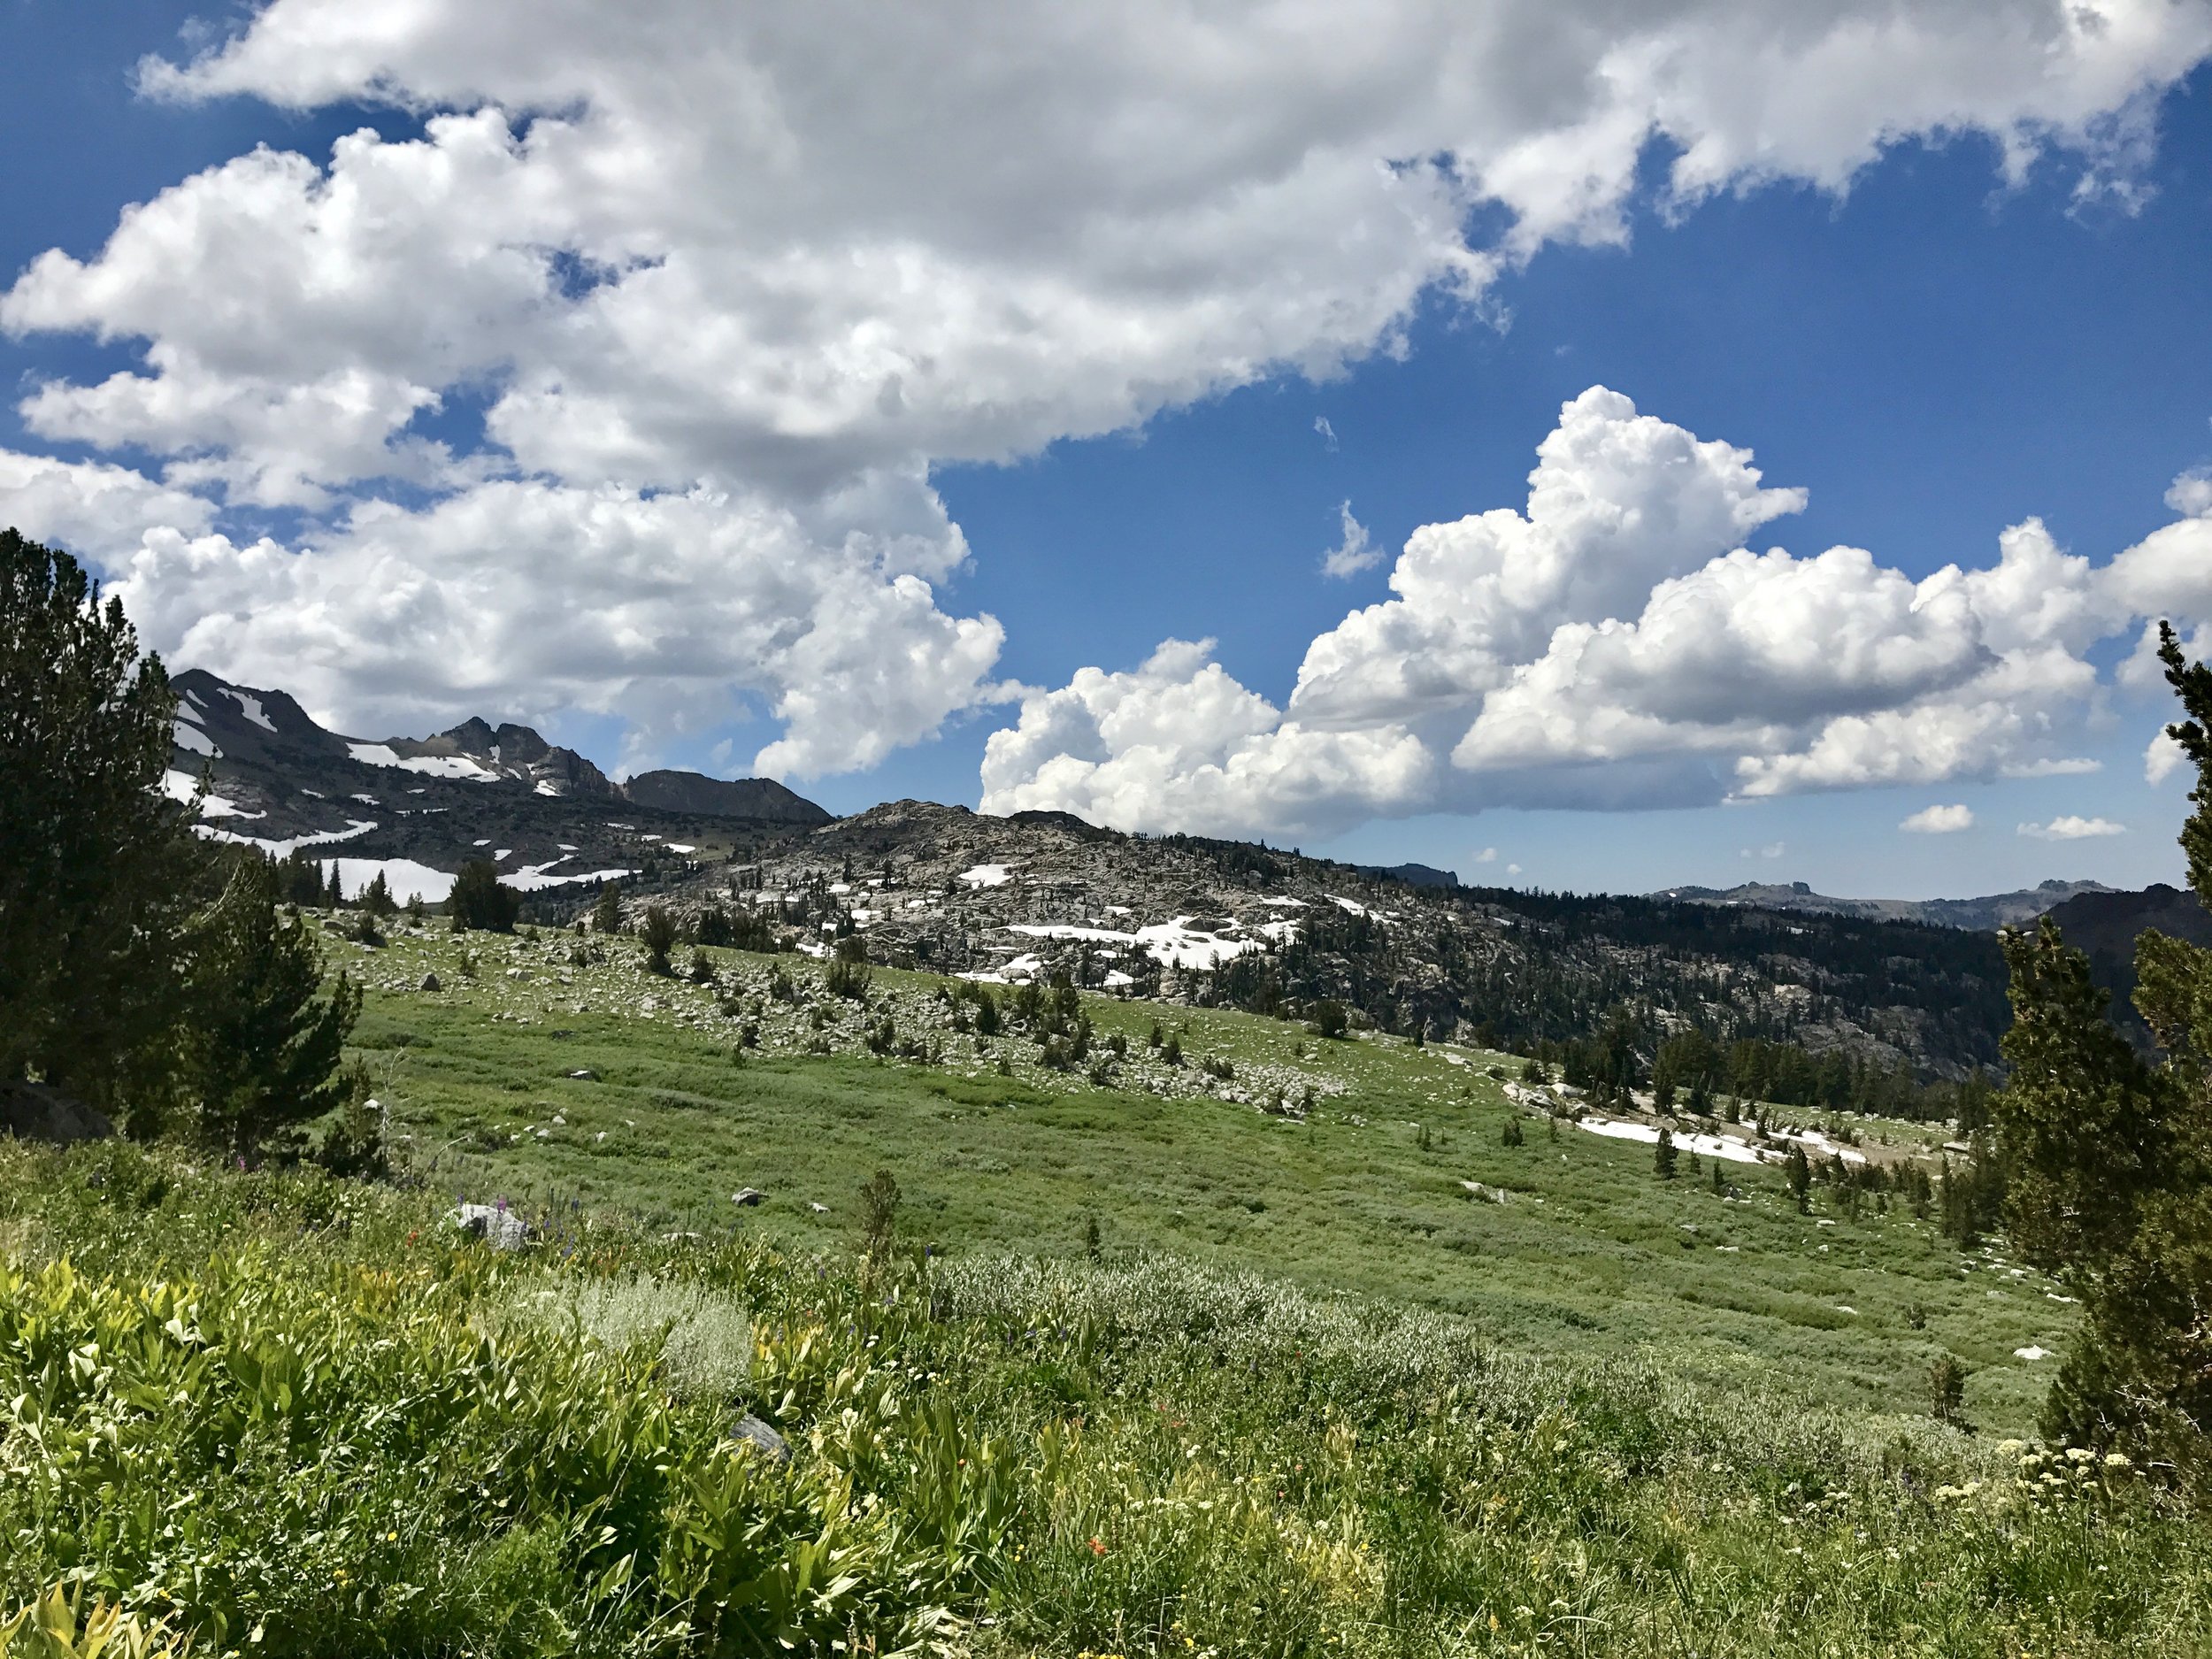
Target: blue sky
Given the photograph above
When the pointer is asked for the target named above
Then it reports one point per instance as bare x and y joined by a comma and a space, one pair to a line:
1932, 353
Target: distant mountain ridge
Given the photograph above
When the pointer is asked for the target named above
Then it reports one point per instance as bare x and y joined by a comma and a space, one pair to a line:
415, 810
1982, 914
2104, 925
248, 725
759, 798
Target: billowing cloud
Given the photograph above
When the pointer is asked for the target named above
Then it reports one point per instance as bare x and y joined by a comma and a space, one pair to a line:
763, 255
89, 504
1939, 820
1177, 743
1615, 645
2070, 828
674, 609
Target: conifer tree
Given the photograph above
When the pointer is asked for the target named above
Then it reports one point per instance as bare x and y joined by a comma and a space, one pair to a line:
302, 878
376, 898
658, 936
479, 902
606, 913
99, 867
1663, 1157
263, 1052
2109, 1159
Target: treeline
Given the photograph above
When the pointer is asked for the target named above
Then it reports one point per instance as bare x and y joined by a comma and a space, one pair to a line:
1520, 969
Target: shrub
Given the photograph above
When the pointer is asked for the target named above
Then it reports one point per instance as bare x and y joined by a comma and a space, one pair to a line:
702, 1337
849, 978
1947, 1384
879, 1216
1329, 1018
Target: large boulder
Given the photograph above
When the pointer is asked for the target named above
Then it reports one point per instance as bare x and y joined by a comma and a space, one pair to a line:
32, 1111
496, 1224
769, 1444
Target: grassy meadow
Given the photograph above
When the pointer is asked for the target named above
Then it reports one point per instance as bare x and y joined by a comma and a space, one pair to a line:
1588, 1254
1309, 1397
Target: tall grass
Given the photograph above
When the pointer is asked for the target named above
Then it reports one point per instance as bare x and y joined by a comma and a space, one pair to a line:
287, 1416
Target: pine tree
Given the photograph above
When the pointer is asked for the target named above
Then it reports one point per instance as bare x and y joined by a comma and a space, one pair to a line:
606, 913
1801, 1178
1663, 1156
263, 1052
479, 901
2109, 1160
658, 935
302, 878
99, 867
376, 898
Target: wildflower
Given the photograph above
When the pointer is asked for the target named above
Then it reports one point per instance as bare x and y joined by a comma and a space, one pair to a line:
1097, 1549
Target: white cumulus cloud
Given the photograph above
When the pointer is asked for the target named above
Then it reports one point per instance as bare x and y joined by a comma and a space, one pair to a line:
1614, 643
2068, 827
674, 609
770, 257
1939, 820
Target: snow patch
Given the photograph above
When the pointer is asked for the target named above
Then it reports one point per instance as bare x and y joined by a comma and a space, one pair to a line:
1176, 944
286, 848
428, 765
191, 738
531, 878
250, 707
407, 879
1726, 1147
985, 875
182, 786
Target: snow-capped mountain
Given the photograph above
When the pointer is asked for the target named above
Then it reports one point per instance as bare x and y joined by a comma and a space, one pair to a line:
416, 809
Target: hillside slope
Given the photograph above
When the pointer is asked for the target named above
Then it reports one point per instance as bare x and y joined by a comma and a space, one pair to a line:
1229, 923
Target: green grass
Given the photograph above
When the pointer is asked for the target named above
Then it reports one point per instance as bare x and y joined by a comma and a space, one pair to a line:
287, 1415
1311, 1399
1590, 1254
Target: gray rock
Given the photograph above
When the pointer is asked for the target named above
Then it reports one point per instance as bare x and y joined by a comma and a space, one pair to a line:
430, 982
32, 1111
494, 1224
772, 1445
748, 1196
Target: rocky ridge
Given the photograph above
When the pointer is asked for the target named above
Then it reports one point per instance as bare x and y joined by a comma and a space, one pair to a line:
1181, 918
415, 810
